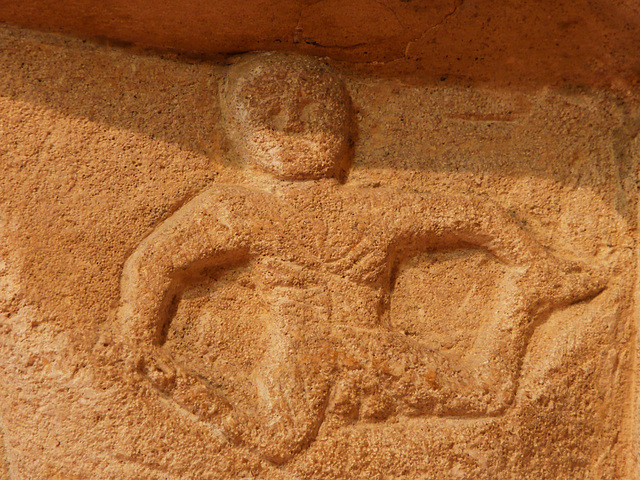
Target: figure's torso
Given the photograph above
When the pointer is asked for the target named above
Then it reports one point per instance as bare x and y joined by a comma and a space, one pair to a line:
320, 254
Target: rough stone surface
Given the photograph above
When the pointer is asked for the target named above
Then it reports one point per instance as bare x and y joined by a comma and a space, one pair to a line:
585, 42
437, 283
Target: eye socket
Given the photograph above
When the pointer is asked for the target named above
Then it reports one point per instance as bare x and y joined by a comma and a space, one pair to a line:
312, 112
293, 105
277, 119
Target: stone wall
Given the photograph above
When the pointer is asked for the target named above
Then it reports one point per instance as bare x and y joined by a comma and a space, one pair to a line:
592, 42
384, 263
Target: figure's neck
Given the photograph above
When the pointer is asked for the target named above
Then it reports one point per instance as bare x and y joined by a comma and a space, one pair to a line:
267, 182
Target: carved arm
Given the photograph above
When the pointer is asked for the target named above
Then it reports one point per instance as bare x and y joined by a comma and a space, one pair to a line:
434, 221
203, 232
488, 373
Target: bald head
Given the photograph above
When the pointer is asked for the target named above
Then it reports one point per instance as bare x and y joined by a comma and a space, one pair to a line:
288, 115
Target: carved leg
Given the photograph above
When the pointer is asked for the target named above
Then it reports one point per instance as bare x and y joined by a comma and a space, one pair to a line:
529, 296
292, 385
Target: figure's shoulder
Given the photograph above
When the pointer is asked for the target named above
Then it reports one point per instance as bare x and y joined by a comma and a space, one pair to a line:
393, 206
377, 196
394, 196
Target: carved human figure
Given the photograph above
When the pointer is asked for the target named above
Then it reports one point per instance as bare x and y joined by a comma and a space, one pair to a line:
324, 255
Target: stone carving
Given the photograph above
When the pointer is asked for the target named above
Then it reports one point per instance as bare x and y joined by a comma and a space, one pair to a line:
324, 351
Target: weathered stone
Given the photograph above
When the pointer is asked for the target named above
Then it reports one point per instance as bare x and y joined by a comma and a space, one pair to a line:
575, 42
280, 267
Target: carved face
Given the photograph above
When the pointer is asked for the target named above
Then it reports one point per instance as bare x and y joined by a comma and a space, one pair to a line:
288, 115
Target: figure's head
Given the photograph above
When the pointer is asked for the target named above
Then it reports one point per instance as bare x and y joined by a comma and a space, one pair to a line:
289, 115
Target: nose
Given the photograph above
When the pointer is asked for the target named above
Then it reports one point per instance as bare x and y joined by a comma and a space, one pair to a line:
292, 118
281, 120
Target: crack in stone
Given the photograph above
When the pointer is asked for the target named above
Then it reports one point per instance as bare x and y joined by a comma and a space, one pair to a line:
395, 15
298, 30
410, 43
338, 47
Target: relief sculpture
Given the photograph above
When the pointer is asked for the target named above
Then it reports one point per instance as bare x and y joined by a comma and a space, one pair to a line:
317, 259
